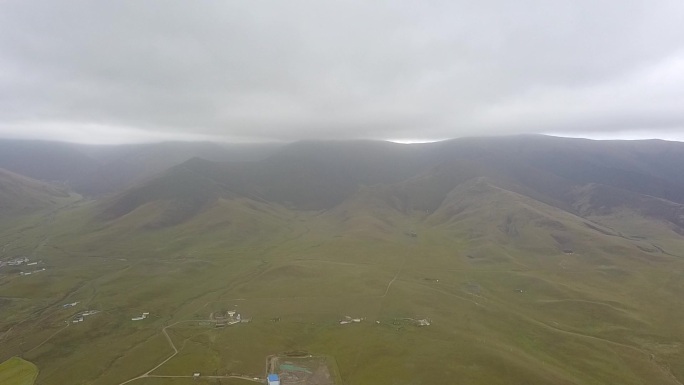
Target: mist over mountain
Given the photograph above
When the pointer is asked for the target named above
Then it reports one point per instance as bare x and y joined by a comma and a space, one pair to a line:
22, 195
96, 170
579, 176
511, 260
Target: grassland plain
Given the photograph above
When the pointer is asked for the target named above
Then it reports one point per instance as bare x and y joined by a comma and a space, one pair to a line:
508, 301
16, 371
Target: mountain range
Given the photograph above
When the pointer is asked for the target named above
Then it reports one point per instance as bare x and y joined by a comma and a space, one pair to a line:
579, 176
536, 259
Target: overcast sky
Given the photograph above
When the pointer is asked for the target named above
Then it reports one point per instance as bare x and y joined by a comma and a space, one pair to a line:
254, 70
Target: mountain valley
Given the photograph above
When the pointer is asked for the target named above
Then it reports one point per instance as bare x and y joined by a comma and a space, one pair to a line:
531, 259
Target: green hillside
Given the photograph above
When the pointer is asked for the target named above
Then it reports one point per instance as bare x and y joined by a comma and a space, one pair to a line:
20, 195
16, 371
485, 271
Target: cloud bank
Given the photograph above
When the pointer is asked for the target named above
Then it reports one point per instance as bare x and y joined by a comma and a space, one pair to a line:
131, 71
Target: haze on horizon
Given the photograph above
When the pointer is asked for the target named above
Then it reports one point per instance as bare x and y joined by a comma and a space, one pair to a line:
130, 71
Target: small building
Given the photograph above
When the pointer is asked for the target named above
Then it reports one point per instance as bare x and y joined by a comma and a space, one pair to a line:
89, 312
17, 261
196, 374
423, 322
142, 317
273, 379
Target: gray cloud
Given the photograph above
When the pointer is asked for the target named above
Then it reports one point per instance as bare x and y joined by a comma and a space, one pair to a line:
264, 70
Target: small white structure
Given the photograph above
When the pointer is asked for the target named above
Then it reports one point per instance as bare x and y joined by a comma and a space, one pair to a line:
347, 320
423, 322
196, 374
17, 261
89, 312
142, 317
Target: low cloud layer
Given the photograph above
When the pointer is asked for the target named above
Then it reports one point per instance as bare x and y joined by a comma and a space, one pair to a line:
131, 71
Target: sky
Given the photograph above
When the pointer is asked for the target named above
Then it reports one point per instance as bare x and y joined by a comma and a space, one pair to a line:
255, 70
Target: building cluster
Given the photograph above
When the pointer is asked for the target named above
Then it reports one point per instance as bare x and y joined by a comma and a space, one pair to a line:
22, 261
17, 261
228, 318
423, 322
141, 317
81, 316
31, 272
68, 305
414, 321
347, 320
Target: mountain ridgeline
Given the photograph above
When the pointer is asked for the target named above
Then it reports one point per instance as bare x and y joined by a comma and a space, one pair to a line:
581, 177
526, 260
20, 195
97, 170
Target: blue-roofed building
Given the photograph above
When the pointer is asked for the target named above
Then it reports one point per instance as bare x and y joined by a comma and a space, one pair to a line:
273, 379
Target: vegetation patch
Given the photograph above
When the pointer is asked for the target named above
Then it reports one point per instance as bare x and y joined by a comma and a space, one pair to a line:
17, 371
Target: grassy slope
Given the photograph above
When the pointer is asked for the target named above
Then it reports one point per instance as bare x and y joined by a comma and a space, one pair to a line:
20, 195
487, 267
17, 371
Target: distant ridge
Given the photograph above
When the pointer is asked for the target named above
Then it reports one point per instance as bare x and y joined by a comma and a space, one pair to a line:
96, 170
22, 195
321, 175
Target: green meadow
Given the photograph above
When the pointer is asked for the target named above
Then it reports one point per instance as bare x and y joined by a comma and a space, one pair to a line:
516, 292
16, 371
